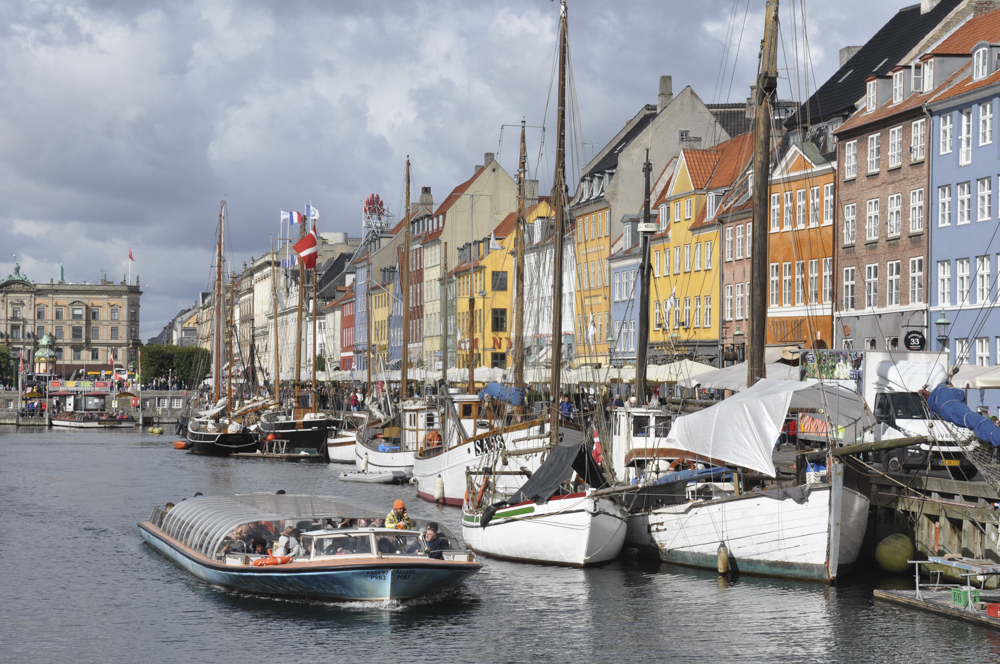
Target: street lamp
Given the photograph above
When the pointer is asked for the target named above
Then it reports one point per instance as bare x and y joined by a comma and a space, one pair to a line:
738, 342
942, 329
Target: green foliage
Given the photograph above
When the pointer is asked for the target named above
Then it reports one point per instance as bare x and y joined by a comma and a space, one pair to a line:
192, 365
320, 363
157, 361
7, 369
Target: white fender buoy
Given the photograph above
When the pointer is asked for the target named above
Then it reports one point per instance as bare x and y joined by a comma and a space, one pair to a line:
438, 489
364, 463
414, 480
723, 559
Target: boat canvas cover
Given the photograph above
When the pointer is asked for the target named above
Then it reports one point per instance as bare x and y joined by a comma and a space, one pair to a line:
948, 403
743, 429
570, 455
506, 393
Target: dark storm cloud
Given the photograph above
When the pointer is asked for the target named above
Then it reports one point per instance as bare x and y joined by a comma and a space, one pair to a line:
124, 123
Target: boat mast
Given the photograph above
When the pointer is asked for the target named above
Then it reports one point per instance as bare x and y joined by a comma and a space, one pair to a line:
404, 282
643, 341
315, 312
368, 316
558, 189
519, 275
229, 345
298, 325
444, 317
472, 298
276, 384
216, 341
767, 83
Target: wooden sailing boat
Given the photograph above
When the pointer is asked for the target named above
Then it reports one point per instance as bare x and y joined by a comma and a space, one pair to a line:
550, 519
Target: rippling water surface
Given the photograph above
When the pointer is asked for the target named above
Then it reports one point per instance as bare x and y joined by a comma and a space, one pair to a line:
79, 585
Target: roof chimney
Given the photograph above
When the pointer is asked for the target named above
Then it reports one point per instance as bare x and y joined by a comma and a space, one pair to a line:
666, 92
847, 53
488, 158
928, 5
530, 193
984, 7
425, 202
477, 168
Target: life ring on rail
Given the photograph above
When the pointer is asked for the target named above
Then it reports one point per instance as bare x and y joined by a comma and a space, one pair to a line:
677, 463
432, 439
272, 560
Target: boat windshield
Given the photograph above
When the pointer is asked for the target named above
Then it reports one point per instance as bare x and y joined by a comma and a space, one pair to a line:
340, 544
398, 544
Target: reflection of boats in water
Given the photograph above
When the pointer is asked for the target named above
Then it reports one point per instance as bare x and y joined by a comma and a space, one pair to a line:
355, 562
93, 420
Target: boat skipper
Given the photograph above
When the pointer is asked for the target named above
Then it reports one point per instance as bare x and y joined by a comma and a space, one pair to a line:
398, 518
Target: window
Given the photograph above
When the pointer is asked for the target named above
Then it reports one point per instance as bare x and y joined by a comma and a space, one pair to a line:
59, 353
114, 333
872, 97
687, 257
827, 204
95, 313
697, 257
77, 353
897, 87
871, 221
77, 313
499, 320
729, 301
77, 332
677, 260
656, 264
871, 285
687, 312
916, 210
965, 139
617, 294
962, 350
631, 335
666, 262
749, 240
95, 354
774, 284
945, 138
746, 292
739, 241
697, 312
813, 281
687, 208
944, 205
962, 279
656, 315
918, 137
775, 211
500, 280
928, 75
984, 195
114, 313
39, 331
944, 283
982, 279
708, 254
800, 283
892, 284
788, 211
707, 322
95, 332
849, 288
710, 206
15, 313
964, 203
986, 123
15, 332
849, 223
800, 208
983, 345
786, 284
895, 147
827, 280
980, 63
895, 215
40, 313
739, 301
916, 280
677, 211
58, 332
851, 160
874, 152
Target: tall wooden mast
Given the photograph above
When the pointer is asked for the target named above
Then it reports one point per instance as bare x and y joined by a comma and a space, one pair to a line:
472, 301
404, 281
298, 324
217, 323
276, 383
519, 247
315, 314
558, 205
767, 83
229, 344
643, 341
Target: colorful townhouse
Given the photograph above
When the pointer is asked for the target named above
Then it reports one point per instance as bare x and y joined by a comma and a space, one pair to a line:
736, 225
625, 264
964, 247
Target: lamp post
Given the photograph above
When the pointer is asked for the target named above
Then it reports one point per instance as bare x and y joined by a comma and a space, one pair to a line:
942, 325
737, 340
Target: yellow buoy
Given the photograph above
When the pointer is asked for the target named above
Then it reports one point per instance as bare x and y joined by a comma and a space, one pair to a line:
723, 558
894, 553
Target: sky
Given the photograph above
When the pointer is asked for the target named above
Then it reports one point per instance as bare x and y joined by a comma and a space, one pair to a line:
125, 123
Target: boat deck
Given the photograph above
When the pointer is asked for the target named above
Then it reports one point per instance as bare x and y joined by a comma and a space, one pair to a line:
939, 601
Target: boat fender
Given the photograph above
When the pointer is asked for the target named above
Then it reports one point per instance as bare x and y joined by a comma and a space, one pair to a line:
722, 558
364, 463
180, 444
487, 516
414, 480
438, 489
677, 463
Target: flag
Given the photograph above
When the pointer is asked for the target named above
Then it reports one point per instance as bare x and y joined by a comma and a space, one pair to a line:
286, 216
307, 249
111, 358
295, 217
312, 214
21, 360
592, 330
671, 303
494, 245
130, 255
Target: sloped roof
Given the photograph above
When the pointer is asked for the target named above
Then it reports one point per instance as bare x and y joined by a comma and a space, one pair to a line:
985, 27
506, 227
878, 56
966, 84
732, 117
735, 155
700, 164
610, 159
456, 192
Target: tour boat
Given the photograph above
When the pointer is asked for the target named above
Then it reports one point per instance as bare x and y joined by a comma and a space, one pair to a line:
350, 563
92, 420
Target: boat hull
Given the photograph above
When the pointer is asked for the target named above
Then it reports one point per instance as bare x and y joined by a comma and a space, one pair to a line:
220, 443
369, 579
383, 462
93, 424
767, 536
308, 435
341, 448
573, 531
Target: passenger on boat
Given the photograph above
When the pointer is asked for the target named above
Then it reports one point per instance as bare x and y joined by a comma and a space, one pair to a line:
346, 523
398, 518
168, 507
286, 542
566, 408
259, 546
432, 542
239, 540
385, 545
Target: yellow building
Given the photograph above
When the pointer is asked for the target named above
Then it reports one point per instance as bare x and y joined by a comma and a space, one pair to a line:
593, 247
381, 298
686, 269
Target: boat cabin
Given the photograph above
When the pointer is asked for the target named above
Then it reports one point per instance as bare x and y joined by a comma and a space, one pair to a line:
638, 439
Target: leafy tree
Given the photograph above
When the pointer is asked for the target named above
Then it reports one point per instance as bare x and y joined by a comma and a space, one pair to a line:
192, 365
157, 361
7, 371
320, 363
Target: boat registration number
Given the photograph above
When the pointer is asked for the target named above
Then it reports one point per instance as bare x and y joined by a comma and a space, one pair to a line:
378, 576
949, 462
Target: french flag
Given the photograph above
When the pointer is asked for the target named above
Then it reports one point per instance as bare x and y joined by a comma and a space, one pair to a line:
296, 217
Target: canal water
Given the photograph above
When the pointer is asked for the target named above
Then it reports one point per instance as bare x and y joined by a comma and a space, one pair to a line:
78, 584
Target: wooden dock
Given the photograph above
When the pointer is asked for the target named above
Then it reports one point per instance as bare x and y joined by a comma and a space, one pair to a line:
939, 602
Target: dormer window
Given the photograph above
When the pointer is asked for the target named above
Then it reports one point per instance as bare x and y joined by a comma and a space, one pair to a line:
627, 236
917, 82
897, 87
872, 96
928, 75
980, 66
710, 211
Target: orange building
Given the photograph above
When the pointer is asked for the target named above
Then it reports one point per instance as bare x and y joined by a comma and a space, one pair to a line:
800, 249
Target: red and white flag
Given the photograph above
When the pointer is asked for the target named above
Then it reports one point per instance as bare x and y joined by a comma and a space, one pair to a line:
307, 248
21, 360
130, 255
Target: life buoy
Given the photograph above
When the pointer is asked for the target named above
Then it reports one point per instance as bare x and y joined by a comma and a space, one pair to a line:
432, 439
272, 560
677, 463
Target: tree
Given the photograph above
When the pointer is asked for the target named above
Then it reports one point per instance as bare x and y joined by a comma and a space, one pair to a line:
157, 361
320, 363
7, 370
191, 365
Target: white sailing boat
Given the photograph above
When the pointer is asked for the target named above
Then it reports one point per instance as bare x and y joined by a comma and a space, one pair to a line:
559, 515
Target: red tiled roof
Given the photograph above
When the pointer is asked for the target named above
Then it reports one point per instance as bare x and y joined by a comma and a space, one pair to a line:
736, 154
506, 227
985, 27
700, 164
966, 84
862, 118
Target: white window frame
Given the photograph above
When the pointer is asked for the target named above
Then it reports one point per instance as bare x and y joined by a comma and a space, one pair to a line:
983, 281
986, 122
707, 322
786, 284
983, 348
850, 223
965, 139
850, 301
814, 206
687, 208
697, 311
918, 139
962, 349
851, 160
945, 135
897, 86
687, 257
749, 246
944, 283
800, 208
697, 257
872, 220
874, 153
928, 75
871, 98
892, 283
739, 242
984, 198
708, 254
894, 215
775, 212
962, 281
871, 286
800, 283
827, 280
944, 205
917, 211
980, 63
828, 204
964, 208
917, 280
728, 311
789, 212
729, 244
775, 284
813, 291
738, 297
896, 147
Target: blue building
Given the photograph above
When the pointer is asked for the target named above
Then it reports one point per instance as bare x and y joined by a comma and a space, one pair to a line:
624, 267
964, 241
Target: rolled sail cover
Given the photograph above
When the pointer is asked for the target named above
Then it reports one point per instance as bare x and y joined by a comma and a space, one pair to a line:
948, 403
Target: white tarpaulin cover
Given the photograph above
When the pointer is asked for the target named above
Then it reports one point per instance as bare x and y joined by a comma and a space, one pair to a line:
977, 377
675, 371
734, 378
742, 430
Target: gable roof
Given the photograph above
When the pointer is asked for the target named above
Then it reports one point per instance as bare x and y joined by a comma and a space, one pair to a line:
985, 27
904, 31
736, 153
621, 141
458, 191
